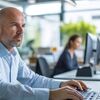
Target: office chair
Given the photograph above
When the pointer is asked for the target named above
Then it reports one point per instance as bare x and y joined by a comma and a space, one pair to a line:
42, 67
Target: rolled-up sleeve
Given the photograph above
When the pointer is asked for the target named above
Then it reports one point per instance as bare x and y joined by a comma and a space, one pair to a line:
42, 94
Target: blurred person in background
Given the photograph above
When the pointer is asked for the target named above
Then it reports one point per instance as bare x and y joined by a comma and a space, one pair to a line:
68, 60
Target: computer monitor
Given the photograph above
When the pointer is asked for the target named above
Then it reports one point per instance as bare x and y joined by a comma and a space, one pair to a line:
98, 51
90, 46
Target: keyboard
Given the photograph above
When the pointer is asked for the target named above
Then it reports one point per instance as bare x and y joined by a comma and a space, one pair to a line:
91, 95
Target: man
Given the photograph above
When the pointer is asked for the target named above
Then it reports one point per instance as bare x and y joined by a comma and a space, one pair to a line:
17, 81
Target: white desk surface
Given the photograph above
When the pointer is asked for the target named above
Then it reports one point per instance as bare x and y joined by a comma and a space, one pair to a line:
95, 85
72, 75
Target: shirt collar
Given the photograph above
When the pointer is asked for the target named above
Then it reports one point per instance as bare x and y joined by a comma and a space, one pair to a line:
4, 51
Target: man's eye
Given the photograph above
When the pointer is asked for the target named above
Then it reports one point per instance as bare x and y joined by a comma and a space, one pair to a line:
13, 25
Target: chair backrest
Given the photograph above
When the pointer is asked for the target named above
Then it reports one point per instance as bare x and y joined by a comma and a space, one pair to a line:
42, 67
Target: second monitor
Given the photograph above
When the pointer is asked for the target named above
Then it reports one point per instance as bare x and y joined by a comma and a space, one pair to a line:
97, 57
88, 69
90, 48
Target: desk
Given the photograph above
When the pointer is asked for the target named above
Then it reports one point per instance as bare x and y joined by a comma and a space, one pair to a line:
95, 85
72, 75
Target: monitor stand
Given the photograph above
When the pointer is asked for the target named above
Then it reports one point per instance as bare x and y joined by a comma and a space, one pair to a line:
85, 71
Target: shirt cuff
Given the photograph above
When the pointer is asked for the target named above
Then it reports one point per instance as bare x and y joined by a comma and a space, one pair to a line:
41, 94
55, 84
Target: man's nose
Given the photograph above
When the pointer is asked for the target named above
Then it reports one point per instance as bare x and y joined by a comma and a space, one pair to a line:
20, 30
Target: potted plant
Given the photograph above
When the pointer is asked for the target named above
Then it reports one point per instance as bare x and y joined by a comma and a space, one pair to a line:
80, 27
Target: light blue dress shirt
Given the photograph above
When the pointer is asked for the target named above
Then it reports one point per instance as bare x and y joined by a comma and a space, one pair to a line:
18, 82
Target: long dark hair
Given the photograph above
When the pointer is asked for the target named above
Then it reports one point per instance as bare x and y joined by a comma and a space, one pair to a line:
71, 39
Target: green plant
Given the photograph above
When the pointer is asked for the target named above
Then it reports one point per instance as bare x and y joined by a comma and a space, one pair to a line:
80, 28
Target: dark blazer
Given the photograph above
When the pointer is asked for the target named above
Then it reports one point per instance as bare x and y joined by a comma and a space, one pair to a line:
65, 63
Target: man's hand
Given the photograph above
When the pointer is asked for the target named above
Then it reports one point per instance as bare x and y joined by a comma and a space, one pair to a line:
76, 84
65, 93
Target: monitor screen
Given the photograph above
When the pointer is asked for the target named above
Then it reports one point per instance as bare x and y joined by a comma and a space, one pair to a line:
98, 51
90, 46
